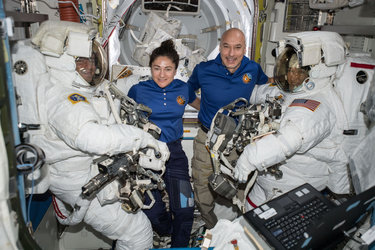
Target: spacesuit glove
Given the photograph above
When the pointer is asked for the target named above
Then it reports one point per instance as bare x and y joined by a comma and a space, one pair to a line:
243, 168
160, 148
148, 159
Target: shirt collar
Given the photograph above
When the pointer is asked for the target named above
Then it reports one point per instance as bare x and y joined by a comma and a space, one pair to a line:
156, 86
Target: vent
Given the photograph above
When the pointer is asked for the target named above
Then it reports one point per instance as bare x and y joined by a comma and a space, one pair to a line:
190, 7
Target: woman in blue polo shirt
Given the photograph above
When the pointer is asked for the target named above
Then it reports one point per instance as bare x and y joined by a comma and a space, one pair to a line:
167, 97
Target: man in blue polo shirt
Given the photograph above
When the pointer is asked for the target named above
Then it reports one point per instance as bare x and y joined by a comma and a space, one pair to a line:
229, 76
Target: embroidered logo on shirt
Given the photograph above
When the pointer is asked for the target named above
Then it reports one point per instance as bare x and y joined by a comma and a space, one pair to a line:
246, 78
181, 100
76, 98
309, 104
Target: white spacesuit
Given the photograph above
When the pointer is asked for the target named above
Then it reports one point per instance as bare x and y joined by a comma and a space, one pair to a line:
307, 147
77, 126
363, 156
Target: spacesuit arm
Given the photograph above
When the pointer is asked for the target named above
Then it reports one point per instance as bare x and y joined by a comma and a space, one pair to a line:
300, 130
268, 151
260, 92
273, 149
78, 125
117, 138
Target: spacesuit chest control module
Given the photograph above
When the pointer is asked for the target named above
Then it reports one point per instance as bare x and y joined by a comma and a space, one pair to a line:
134, 180
235, 126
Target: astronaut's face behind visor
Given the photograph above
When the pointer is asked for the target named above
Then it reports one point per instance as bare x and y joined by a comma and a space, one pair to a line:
94, 69
86, 68
288, 73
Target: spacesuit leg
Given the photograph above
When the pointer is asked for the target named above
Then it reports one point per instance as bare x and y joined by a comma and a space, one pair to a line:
132, 231
201, 170
67, 185
256, 197
180, 193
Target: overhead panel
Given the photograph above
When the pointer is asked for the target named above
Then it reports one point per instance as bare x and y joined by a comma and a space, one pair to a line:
174, 6
299, 16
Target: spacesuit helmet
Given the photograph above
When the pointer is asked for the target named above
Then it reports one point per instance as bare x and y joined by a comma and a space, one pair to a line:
289, 75
73, 50
308, 61
93, 68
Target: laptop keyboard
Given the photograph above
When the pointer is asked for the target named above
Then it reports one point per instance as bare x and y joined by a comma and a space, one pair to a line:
289, 228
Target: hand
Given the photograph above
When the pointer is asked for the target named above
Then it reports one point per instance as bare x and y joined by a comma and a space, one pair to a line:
146, 140
161, 150
243, 168
153, 159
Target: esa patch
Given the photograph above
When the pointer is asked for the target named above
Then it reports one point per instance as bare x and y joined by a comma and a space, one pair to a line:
181, 100
309, 104
246, 78
76, 98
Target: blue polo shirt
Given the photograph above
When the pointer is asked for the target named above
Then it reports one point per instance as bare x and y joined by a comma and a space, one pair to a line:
219, 87
167, 104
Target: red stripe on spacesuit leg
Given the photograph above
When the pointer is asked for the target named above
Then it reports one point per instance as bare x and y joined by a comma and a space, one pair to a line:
250, 202
362, 65
56, 208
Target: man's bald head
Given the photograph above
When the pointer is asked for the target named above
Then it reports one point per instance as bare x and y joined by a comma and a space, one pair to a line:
233, 33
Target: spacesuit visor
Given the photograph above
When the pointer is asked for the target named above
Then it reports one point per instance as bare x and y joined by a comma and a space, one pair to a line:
94, 68
86, 67
288, 73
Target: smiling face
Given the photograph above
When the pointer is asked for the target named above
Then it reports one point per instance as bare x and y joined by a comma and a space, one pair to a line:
295, 77
86, 68
232, 49
163, 71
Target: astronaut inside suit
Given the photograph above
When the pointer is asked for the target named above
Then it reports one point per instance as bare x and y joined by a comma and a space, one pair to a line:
78, 128
306, 148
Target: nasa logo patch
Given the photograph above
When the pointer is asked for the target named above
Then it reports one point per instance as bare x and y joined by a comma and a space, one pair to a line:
76, 98
181, 100
246, 78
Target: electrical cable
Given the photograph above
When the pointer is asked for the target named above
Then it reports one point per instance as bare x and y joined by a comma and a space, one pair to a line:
28, 219
29, 157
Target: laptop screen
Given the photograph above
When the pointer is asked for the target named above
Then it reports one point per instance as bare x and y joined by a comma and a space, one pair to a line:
335, 222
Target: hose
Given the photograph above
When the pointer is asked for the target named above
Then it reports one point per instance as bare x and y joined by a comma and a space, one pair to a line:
69, 11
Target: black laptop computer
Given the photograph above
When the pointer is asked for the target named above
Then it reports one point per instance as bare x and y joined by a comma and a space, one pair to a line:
303, 218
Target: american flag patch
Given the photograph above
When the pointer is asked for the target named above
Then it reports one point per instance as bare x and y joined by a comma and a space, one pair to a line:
310, 104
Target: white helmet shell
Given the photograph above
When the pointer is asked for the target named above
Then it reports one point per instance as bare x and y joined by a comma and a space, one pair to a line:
62, 39
315, 54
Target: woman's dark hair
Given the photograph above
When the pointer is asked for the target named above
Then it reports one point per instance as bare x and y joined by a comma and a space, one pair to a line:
166, 49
